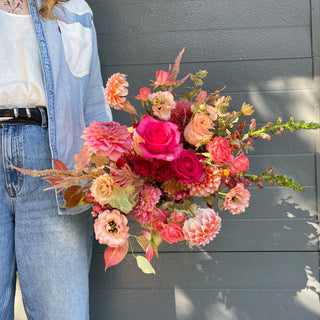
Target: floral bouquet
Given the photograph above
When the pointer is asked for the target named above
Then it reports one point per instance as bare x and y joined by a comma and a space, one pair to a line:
168, 170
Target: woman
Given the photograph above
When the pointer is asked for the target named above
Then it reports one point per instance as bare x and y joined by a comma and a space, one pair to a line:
50, 89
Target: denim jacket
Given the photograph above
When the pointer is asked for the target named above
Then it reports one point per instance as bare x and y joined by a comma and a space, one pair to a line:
72, 76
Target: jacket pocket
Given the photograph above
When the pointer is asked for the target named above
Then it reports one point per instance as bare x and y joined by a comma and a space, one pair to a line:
77, 45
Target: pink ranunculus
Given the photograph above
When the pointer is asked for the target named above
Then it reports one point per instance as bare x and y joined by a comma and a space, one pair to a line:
148, 198
220, 151
143, 94
239, 164
161, 139
107, 139
172, 233
198, 129
201, 229
111, 228
237, 199
187, 168
162, 104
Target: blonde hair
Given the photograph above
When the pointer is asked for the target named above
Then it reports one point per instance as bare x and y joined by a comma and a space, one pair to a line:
46, 11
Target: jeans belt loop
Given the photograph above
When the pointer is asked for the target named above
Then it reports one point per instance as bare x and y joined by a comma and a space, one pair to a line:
44, 122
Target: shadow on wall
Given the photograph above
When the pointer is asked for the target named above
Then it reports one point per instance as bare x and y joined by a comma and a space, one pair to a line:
214, 285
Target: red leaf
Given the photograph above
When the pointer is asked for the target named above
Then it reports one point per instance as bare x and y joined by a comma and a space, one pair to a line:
72, 196
113, 256
59, 165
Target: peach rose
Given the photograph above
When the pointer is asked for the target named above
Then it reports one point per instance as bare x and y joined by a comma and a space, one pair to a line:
197, 129
102, 189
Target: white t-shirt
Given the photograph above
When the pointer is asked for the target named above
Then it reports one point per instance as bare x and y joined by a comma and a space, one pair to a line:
21, 76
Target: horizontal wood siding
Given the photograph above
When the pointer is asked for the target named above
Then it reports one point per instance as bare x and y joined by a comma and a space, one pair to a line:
264, 264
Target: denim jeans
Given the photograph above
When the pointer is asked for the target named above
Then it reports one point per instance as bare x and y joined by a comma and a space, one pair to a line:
52, 252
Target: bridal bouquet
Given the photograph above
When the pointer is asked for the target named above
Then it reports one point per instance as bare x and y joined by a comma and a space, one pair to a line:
166, 172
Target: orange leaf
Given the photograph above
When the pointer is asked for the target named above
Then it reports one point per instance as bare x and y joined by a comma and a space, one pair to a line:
72, 196
113, 256
82, 158
59, 165
128, 107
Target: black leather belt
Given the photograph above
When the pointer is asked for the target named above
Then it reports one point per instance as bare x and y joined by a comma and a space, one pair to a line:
31, 116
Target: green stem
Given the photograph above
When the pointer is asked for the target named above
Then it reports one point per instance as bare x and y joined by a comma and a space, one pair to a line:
188, 207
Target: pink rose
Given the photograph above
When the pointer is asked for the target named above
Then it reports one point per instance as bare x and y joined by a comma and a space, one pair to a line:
143, 94
187, 167
172, 233
239, 164
161, 139
162, 78
220, 151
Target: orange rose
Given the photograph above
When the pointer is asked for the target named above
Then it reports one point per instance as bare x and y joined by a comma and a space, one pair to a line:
197, 129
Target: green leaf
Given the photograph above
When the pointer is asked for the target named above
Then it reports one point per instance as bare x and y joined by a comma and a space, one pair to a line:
144, 265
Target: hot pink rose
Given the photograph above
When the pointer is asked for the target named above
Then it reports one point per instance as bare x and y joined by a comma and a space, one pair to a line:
239, 164
172, 233
161, 139
220, 151
187, 167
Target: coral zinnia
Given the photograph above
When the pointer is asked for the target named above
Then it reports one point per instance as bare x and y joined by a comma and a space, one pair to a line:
116, 90
107, 139
201, 229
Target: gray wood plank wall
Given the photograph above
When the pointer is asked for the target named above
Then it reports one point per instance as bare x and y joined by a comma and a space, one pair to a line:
265, 262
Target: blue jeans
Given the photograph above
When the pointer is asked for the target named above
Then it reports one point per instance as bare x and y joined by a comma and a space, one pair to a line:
51, 252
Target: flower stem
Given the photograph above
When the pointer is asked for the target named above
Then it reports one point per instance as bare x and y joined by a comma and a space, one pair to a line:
188, 207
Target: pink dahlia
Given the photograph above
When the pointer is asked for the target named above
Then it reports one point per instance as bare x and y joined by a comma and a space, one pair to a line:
116, 90
107, 139
201, 229
208, 184
148, 198
237, 199
111, 228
